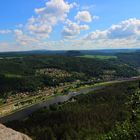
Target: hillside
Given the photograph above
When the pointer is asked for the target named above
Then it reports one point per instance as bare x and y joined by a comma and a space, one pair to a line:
101, 115
132, 59
21, 74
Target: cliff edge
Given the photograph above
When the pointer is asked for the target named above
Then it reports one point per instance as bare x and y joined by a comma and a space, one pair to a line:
9, 134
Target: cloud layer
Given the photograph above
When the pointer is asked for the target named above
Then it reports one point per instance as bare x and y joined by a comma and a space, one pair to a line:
127, 29
74, 31
55, 12
47, 17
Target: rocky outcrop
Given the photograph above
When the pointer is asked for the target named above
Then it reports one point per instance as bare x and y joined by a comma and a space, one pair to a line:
9, 134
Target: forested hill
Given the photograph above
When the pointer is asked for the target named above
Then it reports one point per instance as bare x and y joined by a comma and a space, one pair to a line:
132, 59
25, 73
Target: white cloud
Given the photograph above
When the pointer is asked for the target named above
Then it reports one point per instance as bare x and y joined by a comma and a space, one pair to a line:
76, 44
88, 7
18, 32
38, 28
83, 16
73, 29
5, 31
97, 35
35, 33
48, 16
95, 17
6, 46
55, 10
41, 31
55, 7
25, 40
125, 34
125, 30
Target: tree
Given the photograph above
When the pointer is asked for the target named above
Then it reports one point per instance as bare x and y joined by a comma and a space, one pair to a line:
47, 134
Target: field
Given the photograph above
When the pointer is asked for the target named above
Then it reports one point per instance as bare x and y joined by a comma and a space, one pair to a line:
102, 57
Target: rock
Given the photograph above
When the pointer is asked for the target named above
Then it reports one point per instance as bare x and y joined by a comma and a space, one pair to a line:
9, 134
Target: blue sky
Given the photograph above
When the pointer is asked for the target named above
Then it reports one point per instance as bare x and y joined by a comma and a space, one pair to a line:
69, 24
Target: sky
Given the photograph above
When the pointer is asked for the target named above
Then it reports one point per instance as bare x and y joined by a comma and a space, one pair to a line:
69, 24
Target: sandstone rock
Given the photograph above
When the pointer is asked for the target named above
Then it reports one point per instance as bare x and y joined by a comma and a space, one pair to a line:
9, 134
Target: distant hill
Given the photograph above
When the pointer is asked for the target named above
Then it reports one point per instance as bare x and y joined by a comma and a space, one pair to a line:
69, 52
73, 53
132, 59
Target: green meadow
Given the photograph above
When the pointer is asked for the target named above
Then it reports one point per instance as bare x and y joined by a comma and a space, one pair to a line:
103, 57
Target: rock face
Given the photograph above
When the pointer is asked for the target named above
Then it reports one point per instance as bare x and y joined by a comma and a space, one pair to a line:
9, 134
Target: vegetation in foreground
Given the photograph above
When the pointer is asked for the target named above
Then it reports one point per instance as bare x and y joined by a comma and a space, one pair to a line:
109, 113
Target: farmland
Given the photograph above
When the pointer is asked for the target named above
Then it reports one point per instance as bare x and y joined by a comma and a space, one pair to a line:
102, 57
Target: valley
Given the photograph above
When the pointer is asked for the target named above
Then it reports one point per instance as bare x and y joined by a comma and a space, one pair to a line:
69, 70
47, 82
